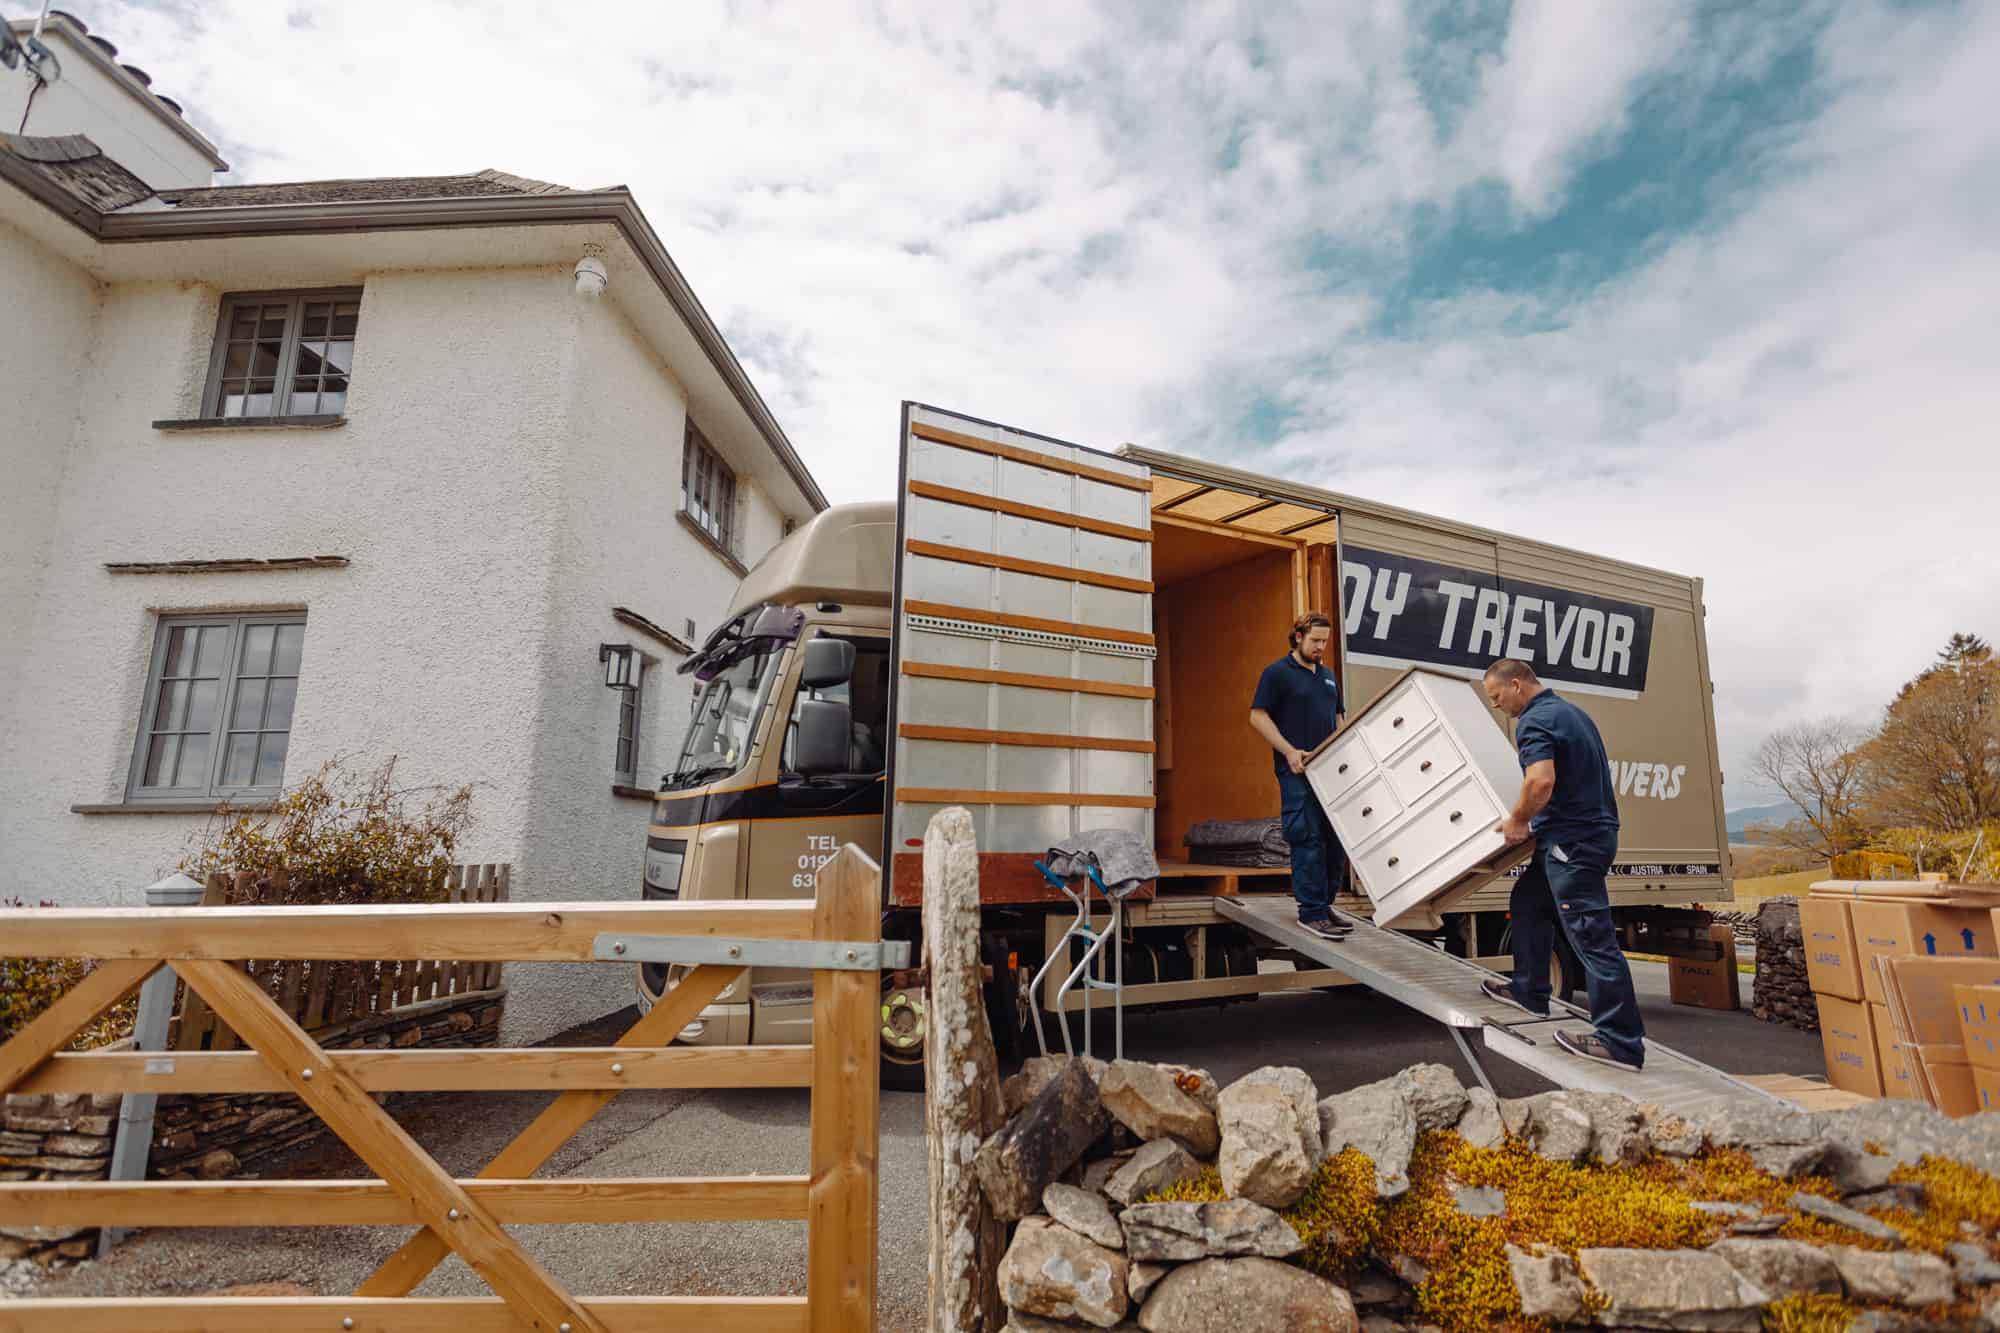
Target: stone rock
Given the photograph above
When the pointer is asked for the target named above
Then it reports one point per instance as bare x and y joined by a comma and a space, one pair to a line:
1020, 1321
1235, 1295
1436, 1098
1158, 1101
1973, 1266
1779, 1138
1096, 1174
76, 1145
1618, 1128
1084, 1212
1376, 1288
1051, 1271
1515, 1116
1855, 1170
42, 1235
1140, 1279
1908, 1195
1409, 1270
1479, 1124
1841, 1215
1161, 1163
1781, 1267
1176, 1232
217, 1165
1737, 1211
1548, 1284
1479, 1200
1380, 1323
1769, 1225
1671, 1135
1376, 1119
1678, 1289
1905, 1278
1557, 1127
1047, 1137
1036, 1073
1270, 1136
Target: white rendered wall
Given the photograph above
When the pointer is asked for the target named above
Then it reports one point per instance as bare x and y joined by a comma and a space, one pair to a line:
134, 132
50, 315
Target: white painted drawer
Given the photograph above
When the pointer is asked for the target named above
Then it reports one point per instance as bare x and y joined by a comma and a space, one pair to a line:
1339, 766
1421, 767
1362, 815
1425, 838
1397, 720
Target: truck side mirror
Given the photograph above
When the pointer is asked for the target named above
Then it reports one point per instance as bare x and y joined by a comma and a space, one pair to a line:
825, 729
829, 662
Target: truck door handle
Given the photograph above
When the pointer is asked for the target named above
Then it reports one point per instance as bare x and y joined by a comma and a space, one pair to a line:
1424, 767
1457, 815
1367, 810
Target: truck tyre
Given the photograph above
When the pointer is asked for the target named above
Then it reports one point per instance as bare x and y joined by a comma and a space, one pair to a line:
1565, 970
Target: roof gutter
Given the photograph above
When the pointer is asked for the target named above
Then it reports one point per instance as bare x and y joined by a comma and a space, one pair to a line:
615, 206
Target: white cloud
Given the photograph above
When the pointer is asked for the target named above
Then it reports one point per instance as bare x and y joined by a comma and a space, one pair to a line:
1096, 221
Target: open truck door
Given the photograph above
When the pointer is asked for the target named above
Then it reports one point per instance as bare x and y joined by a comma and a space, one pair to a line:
1023, 648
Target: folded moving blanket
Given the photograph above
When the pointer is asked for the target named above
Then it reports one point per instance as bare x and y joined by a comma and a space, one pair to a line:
1245, 843
1124, 859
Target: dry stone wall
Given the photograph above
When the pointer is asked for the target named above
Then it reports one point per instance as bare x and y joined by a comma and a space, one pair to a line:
1781, 992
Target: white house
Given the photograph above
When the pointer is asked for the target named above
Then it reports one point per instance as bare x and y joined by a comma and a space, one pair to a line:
348, 468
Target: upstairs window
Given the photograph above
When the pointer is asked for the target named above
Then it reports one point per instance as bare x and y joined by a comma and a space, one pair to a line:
283, 354
708, 490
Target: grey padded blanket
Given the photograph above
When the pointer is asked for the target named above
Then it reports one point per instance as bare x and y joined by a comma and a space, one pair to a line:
1123, 859
1249, 843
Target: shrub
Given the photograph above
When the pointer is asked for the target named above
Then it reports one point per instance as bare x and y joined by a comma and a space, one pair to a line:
339, 836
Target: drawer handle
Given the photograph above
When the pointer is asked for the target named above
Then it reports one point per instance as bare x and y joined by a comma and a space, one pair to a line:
1393, 860
1457, 815
1367, 810
1397, 722
1341, 769
1424, 767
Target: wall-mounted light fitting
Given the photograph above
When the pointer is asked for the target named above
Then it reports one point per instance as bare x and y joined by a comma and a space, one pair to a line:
621, 665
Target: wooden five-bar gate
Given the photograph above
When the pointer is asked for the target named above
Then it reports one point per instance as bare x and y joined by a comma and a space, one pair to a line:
838, 935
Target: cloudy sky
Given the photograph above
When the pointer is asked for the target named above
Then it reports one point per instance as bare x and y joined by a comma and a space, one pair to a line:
1713, 288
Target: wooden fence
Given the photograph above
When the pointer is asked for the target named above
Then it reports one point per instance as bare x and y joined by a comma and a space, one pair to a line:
205, 946
321, 994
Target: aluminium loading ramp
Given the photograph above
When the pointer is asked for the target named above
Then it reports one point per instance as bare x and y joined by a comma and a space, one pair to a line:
1446, 988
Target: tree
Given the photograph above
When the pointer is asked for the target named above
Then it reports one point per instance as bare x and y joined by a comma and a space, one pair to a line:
1817, 767
1936, 762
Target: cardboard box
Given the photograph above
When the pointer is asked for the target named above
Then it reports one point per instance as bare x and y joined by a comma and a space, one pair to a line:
1979, 1024
1831, 967
1899, 1079
1926, 985
1949, 1078
1986, 1086
1847, 1032
1708, 985
1923, 929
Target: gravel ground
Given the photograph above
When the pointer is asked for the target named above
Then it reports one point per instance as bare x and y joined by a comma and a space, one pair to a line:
1341, 1038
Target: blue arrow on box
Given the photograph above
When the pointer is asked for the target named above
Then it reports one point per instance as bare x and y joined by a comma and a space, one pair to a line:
1930, 942
1966, 935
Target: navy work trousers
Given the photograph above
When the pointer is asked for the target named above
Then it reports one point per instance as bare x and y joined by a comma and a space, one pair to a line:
1572, 891
1319, 864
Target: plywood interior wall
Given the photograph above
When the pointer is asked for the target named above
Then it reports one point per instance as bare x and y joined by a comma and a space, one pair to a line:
1221, 628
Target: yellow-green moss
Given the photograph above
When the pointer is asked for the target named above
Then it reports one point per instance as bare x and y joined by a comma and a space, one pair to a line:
1808, 1314
1337, 1217
1204, 1188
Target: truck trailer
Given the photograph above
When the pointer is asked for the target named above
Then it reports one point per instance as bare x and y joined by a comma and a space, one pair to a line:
1058, 639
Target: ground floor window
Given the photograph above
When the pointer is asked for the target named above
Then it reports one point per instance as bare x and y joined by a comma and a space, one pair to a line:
217, 718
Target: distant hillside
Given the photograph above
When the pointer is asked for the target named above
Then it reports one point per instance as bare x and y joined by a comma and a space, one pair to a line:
1779, 814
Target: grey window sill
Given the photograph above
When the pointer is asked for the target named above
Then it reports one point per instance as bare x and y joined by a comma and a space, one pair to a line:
633, 793
174, 807
716, 548
253, 423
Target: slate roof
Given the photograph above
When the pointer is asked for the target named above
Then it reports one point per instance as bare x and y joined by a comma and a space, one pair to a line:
488, 182
78, 168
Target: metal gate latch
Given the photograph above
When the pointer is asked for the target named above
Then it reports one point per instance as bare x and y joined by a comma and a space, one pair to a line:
816, 955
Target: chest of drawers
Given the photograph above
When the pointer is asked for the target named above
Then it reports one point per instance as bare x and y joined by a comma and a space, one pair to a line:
1413, 786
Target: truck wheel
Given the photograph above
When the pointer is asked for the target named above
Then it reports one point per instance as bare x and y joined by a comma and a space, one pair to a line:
905, 1024
1565, 970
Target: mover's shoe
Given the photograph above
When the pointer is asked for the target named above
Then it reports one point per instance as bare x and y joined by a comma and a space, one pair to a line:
1328, 929
1501, 991
1591, 1047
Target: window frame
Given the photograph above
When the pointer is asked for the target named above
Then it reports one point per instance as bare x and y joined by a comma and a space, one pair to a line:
695, 450
136, 793
288, 352
629, 777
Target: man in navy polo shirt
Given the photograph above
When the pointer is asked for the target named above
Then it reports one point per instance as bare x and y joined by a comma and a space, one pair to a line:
1297, 705
1568, 804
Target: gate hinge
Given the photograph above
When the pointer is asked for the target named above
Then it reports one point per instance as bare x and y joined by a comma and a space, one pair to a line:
817, 955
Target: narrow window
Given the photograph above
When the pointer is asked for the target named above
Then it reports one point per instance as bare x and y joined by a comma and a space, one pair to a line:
625, 767
217, 718
708, 489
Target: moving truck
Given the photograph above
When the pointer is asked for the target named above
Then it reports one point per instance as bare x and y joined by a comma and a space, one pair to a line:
1058, 639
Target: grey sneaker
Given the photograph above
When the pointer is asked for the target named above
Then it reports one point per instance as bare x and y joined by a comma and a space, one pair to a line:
1496, 989
1328, 929
1591, 1047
